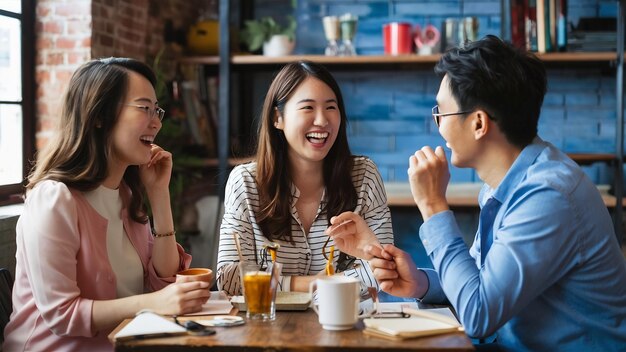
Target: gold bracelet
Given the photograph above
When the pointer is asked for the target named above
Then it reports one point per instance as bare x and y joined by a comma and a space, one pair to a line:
157, 235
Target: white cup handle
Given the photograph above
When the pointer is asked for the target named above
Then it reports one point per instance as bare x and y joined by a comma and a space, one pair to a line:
313, 284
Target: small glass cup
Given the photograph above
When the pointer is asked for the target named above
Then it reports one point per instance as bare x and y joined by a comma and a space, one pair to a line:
348, 24
259, 290
332, 31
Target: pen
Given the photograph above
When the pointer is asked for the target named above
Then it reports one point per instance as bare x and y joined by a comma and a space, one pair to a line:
433, 316
150, 336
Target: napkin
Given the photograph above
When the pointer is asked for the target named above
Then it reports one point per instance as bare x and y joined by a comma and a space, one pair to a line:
218, 304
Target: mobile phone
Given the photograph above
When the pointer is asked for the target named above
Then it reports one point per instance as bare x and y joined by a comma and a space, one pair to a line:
197, 329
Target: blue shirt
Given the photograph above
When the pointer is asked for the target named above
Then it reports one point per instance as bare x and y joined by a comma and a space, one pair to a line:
554, 278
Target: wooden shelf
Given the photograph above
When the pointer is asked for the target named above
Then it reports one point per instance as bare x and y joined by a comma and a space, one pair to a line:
578, 57
197, 163
383, 59
214, 162
200, 60
578, 157
461, 195
458, 194
342, 60
585, 158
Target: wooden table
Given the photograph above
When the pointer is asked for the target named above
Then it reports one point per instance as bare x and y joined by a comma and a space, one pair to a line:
293, 331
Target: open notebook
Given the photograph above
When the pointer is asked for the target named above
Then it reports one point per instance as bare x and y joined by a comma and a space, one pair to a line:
148, 325
421, 323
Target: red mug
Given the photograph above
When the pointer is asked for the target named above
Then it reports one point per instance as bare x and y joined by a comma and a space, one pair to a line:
398, 38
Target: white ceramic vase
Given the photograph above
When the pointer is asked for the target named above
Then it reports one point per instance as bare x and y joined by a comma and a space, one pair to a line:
278, 45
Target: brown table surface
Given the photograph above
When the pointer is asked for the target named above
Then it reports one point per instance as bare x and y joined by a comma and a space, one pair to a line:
291, 331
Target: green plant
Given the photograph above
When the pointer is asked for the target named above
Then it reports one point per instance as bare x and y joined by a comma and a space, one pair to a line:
161, 86
174, 138
257, 32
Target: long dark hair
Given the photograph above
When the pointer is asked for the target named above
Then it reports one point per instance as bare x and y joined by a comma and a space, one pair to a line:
272, 175
78, 155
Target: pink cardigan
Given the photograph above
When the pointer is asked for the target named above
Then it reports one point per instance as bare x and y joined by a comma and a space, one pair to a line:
63, 266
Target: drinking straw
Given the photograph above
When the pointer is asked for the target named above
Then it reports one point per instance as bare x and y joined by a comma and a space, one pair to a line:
238, 245
330, 268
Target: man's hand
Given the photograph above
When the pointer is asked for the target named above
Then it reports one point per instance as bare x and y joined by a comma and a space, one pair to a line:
396, 272
428, 177
352, 234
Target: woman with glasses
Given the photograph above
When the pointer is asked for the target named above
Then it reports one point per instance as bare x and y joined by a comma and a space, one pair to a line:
87, 257
303, 174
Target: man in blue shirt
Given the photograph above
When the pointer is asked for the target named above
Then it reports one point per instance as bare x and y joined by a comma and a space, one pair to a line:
545, 272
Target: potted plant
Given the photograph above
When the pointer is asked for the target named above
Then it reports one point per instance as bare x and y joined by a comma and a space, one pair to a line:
276, 39
188, 159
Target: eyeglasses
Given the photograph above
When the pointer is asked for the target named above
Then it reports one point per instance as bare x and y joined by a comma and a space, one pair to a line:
437, 115
269, 250
152, 112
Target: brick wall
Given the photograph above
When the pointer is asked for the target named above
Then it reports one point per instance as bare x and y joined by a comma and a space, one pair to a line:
63, 31
70, 32
134, 28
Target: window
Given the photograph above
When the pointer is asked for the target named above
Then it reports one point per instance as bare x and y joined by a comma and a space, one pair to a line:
16, 95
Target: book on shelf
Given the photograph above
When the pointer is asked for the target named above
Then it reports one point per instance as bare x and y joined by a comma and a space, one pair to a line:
594, 34
581, 41
561, 25
539, 25
198, 119
551, 23
212, 89
207, 91
517, 23
530, 24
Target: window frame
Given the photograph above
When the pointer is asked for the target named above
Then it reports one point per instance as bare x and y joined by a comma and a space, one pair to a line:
11, 193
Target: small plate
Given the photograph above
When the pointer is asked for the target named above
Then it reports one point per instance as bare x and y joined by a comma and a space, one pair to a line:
284, 301
221, 320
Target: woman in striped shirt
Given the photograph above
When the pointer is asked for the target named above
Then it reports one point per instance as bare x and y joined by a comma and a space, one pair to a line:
303, 174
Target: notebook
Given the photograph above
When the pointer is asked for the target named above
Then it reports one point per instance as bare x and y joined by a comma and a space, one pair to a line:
284, 301
421, 323
148, 325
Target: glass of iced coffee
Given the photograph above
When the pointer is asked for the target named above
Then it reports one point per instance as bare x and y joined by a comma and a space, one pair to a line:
259, 290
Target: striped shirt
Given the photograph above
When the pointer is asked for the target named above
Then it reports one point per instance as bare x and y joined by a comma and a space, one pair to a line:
304, 256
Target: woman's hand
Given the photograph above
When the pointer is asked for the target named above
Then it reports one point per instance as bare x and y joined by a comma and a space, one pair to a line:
155, 176
176, 298
352, 234
180, 298
157, 172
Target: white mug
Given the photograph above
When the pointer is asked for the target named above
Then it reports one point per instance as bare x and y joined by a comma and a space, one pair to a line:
338, 300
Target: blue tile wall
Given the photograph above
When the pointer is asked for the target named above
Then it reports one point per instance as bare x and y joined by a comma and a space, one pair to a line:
389, 111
